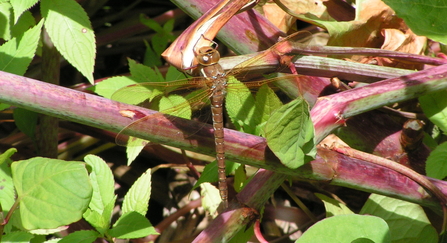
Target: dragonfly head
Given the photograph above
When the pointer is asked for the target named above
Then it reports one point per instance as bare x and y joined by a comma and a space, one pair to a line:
208, 56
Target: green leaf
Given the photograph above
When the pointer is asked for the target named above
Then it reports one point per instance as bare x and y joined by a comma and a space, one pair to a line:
102, 181
209, 173
407, 221
436, 164
137, 198
17, 237
150, 57
17, 53
70, 30
240, 178
132, 225
290, 132
107, 87
100, 221
4, 106
26, 121
210, 198
243, 235
333, 207
81, 236
174, 74
134, 148
142, 73
240, 106
7, 193
51, 192
6, 16
103, 198
434, 106
267, 102
21, 6
424, 18
25, 22
347, 228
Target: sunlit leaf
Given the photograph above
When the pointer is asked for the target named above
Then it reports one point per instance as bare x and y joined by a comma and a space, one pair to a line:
51, 192
348, 228
240, 106
81, 236
210, 198
290, 132
434, 106
21, 6
333, 207
137, 198
17, 53
7, 193
17, 237
407, 221
436, 164
132, 225
71, 32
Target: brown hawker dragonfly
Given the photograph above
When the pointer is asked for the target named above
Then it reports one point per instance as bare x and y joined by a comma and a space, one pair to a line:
213, 86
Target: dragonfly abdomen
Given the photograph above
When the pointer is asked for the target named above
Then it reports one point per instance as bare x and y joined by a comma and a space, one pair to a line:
217, 112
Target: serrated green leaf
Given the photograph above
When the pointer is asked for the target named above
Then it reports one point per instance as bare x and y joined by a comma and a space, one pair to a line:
407, 221
7, 193
6, 16
240, 106
333, 207
51, 192
210, 198
81, 236
137, 198
100, 221
174, 74
17, 237
25, 22
71, 32
290, 132
434, 106
209, 173
17, 53
26, 121
142, 73
21, 6
102, 181
436, 164
423, 17
347, 228
132, 225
